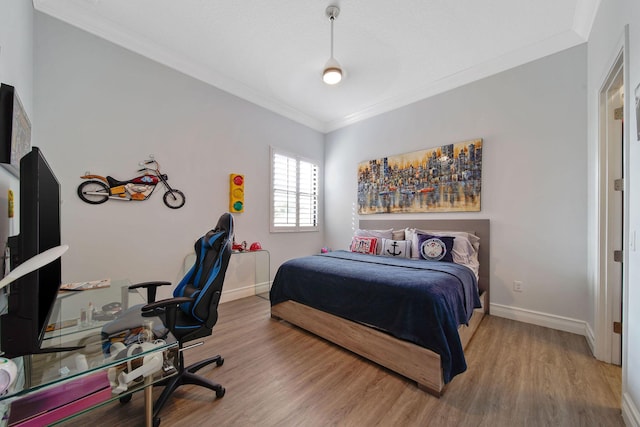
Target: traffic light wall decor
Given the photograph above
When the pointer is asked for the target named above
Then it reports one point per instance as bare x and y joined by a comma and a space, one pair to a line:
236, 193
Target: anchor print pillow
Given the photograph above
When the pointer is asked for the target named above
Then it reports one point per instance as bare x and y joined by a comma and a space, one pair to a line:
396, 248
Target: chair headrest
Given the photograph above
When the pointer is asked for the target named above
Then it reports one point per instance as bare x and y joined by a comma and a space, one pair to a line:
225, 223
224, 229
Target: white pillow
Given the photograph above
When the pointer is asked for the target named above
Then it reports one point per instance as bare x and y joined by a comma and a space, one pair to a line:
396, 248
398, 235
386, 234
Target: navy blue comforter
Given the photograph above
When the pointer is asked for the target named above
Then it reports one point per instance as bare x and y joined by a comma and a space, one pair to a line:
414, 300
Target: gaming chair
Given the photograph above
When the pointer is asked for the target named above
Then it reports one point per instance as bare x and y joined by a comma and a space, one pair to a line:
193, 310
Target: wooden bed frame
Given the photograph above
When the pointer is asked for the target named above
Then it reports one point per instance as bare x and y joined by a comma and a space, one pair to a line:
410, 360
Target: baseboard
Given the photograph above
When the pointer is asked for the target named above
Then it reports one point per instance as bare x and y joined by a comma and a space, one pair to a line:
541, 319
630, 413
245, 291
262, 288
234, 294
591, 338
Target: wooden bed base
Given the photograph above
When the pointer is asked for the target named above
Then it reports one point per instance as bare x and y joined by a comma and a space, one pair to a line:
408, 359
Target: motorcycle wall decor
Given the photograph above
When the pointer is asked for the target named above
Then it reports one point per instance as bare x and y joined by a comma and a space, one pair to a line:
98, 189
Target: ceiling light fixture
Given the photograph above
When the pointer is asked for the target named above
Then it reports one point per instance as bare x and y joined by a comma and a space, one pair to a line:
332, 73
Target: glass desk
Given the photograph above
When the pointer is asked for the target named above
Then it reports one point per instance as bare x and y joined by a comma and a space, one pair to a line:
52, 387
249, 269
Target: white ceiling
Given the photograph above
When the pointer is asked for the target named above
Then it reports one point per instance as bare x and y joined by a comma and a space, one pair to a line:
394, 52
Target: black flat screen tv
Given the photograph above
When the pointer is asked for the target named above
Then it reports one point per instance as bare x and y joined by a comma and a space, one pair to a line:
32, 297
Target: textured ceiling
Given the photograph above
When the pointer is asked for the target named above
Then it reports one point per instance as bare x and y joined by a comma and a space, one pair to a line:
272, 52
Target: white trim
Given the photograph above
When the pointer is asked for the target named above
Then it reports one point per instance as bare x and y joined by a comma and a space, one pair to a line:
591, 338
83, 19
612, 209
602, 315
630, 413
234, 294
261, 288
540, 49
245, 291
148, 48
541, 319
585, 14
628, 107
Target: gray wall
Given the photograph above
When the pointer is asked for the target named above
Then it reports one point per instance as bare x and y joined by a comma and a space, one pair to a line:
533, 122
103, 109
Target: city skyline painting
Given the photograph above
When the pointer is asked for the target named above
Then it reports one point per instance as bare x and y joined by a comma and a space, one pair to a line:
447, 178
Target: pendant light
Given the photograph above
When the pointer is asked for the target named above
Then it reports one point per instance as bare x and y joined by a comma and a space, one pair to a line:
332, 73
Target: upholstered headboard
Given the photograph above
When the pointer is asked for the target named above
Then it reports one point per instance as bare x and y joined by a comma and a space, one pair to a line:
480, 227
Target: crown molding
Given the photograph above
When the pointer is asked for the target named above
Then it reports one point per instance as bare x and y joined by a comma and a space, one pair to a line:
111, 32
513, 59
585, 14
83, 19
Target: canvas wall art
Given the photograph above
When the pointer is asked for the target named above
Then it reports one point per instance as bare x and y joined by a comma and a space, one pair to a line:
15, 129
440, 179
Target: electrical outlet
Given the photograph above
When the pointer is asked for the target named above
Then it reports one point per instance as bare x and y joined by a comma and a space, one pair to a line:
517, 286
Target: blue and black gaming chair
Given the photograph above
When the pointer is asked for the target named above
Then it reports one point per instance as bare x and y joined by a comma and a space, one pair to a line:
193, 311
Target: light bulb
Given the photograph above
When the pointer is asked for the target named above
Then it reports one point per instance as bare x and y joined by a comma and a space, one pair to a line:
332, 73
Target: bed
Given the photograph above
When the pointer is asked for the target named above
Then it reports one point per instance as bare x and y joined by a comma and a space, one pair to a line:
394, 330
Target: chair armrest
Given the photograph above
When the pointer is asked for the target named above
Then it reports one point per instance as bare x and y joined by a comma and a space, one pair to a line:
163, 303
151, 288
168, 307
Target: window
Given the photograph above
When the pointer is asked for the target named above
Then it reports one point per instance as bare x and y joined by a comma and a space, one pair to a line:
294, 193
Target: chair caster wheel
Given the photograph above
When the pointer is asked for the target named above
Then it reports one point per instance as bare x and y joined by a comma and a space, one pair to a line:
126, 399
220, 362
220, 392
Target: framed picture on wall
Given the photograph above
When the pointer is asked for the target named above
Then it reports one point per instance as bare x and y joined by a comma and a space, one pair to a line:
446, 178
15, 129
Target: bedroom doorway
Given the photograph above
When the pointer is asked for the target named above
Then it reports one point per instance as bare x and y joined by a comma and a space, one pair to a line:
612, 210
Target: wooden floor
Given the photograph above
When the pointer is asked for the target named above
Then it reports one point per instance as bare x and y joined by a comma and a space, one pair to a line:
278, 375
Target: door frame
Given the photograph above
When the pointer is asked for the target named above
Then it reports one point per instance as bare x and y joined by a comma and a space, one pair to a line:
605, 296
